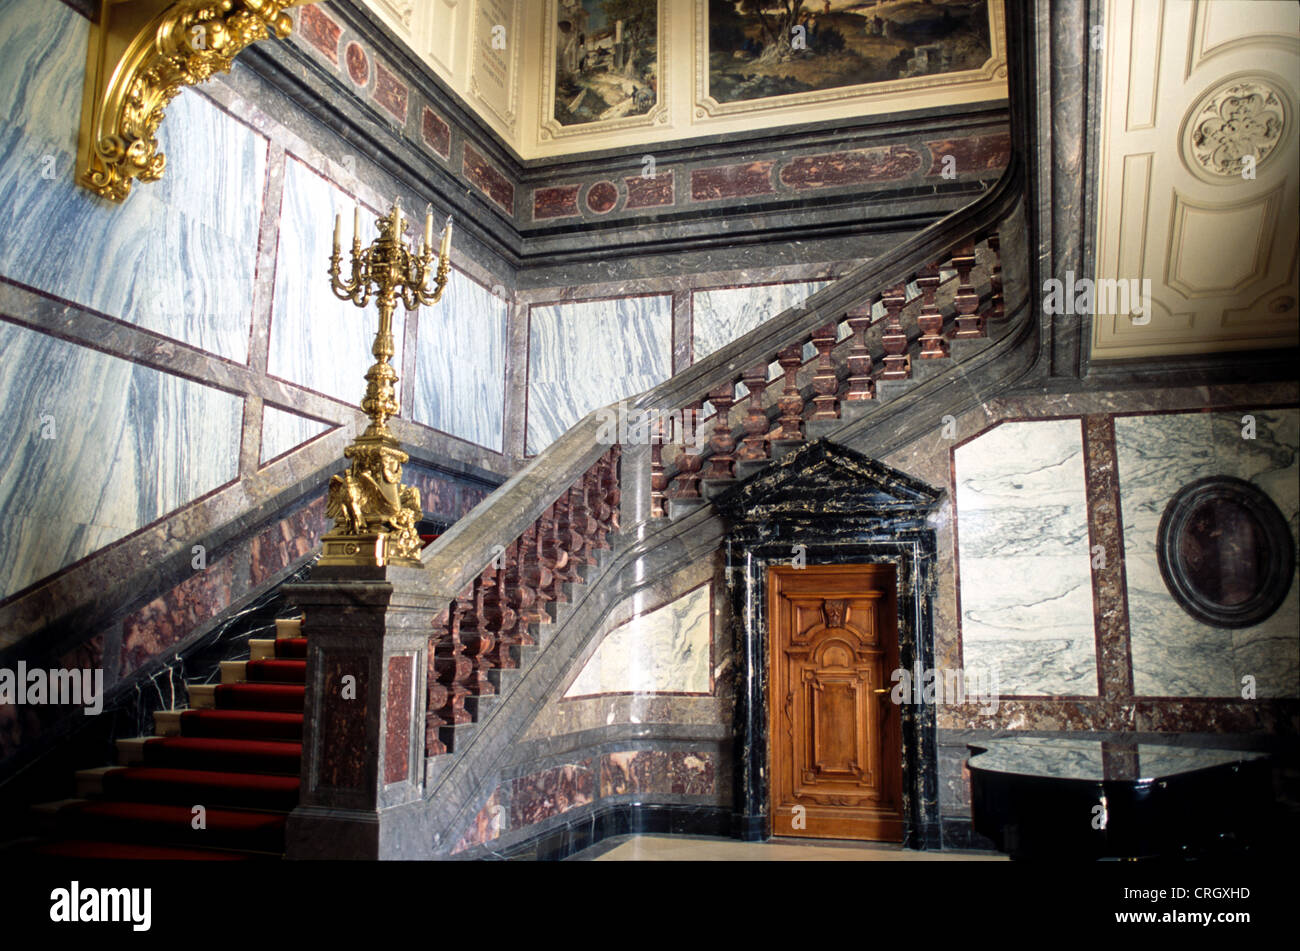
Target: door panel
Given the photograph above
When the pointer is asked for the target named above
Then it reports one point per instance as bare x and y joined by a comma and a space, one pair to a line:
835, 748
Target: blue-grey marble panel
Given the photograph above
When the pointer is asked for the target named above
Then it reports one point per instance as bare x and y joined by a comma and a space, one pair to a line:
1024, 559
283, 430
726, 314
317, 340
460, 363
179, 256
97, 448
1173, 653
589, 354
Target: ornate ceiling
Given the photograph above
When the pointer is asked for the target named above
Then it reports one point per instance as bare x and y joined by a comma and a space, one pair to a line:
1198, 174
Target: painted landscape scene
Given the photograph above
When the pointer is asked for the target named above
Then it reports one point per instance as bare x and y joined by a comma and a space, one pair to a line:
606, 59
762, 48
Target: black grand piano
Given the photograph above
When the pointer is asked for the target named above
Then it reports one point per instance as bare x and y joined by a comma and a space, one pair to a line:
1050, 797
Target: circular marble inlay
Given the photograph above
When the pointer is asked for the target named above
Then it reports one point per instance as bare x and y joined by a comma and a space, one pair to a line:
358, 64
1225, 552
602, 197
1240, 118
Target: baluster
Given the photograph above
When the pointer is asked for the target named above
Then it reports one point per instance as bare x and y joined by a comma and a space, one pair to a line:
453, 668
571, 540
898, 364
476, 637
861, 385
689, 463
500, 615
997, 307
933, 346
967, 301
436, 692
553, 555
791, 402
581, 520
658, 478
722, 443
826, 384
528, 578
612, 488
754, 447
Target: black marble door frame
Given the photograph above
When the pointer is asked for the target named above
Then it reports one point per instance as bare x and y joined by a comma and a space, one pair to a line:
900, 539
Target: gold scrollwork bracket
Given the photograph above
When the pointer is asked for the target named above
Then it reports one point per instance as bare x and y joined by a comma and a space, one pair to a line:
142, 53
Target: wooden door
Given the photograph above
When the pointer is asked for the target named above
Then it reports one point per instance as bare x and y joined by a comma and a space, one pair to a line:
835, 750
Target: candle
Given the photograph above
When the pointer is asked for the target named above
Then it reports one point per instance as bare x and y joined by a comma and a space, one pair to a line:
428, 226
338, 224
446, 240
356, 225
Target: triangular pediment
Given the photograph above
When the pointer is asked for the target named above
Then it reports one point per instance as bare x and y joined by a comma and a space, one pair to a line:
824, 478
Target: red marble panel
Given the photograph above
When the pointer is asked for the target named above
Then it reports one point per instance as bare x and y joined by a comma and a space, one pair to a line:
560, 201
634, 771
358, 64
167, 620
1109, 592
653, 192
343, 722
551, 792
391, 93
435, 132
692, 774
972, 154
851, 168
602, 197
484, 176
732, 181
487, 824
397, 714
320, 30
290, 539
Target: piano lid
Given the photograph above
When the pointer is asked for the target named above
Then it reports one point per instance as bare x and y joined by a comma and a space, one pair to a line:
1097, 760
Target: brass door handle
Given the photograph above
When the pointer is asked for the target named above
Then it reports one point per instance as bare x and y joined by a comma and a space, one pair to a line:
881, 690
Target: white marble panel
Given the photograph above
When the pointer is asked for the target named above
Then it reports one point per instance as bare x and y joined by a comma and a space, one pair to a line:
1173, 653
663, 651
460, 363
317, 340
589, 354
725, 314
97, 448
283, 430
1024, 560
178, 257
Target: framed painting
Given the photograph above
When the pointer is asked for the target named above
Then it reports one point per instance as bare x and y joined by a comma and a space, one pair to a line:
606, 65
761, 54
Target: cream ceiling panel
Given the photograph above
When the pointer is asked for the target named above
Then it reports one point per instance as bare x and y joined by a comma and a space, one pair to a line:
1198, 185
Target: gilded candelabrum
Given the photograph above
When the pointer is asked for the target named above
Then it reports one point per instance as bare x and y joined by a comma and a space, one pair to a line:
375, 516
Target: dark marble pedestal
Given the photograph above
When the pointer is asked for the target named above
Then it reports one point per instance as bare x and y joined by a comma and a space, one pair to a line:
363, 727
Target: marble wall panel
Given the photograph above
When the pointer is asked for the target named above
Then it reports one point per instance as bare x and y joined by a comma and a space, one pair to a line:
1173, 653
98, 447
722, 315
283, 431
317, 340
178, 257
666, 650
460, 363
591, 353
1024, 560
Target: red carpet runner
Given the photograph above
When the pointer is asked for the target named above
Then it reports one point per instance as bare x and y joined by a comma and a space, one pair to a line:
236, 752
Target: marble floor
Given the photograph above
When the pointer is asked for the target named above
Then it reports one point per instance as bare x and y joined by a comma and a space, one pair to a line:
679, 848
